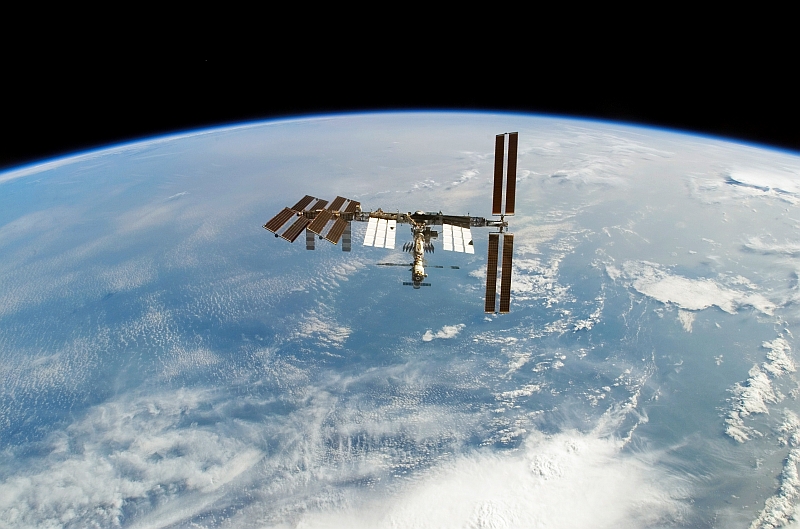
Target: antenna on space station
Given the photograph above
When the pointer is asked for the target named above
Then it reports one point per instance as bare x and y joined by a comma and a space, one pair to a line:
333, 222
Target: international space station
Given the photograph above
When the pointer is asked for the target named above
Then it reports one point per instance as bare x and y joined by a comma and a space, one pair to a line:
332, 222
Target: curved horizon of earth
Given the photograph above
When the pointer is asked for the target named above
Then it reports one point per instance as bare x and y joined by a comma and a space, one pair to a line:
166, 362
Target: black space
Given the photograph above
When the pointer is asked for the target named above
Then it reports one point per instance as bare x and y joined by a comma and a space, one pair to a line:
59, 107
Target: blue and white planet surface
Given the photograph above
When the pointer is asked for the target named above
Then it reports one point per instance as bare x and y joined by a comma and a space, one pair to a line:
166, 363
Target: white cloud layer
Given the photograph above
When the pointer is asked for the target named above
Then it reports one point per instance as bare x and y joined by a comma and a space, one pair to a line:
123, 453
780, 508
766, 180
762, 181
756, 244
565, 480
321, 325
757, 391
687, 319
448, 331
689, 294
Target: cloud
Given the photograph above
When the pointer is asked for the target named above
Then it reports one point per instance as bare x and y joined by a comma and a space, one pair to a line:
591, 170
757, 392
181, 361
324, 329
125, 455
611, 156
551, 481
466, 176
327, 448
687, 319
765, 181
448, 331
780, 508
424, 184
750, 397
38, 168
128, 275
689, 294
755, 244
780, 361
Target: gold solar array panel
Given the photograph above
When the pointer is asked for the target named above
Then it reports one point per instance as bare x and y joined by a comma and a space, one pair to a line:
336, 205
305, 201
295, 229
351, 207
511, 172
497, 195
491, 272
336, 231
279, 220
319, 223
505, 274
319, 204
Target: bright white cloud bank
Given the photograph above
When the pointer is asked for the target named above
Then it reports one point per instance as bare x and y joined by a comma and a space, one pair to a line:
120, 454
689, 294
756, 244
777, 180
448, 331
565, 480
159, 460
780, 508
757, 391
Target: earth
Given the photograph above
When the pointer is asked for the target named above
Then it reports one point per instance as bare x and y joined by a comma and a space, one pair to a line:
166, 362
